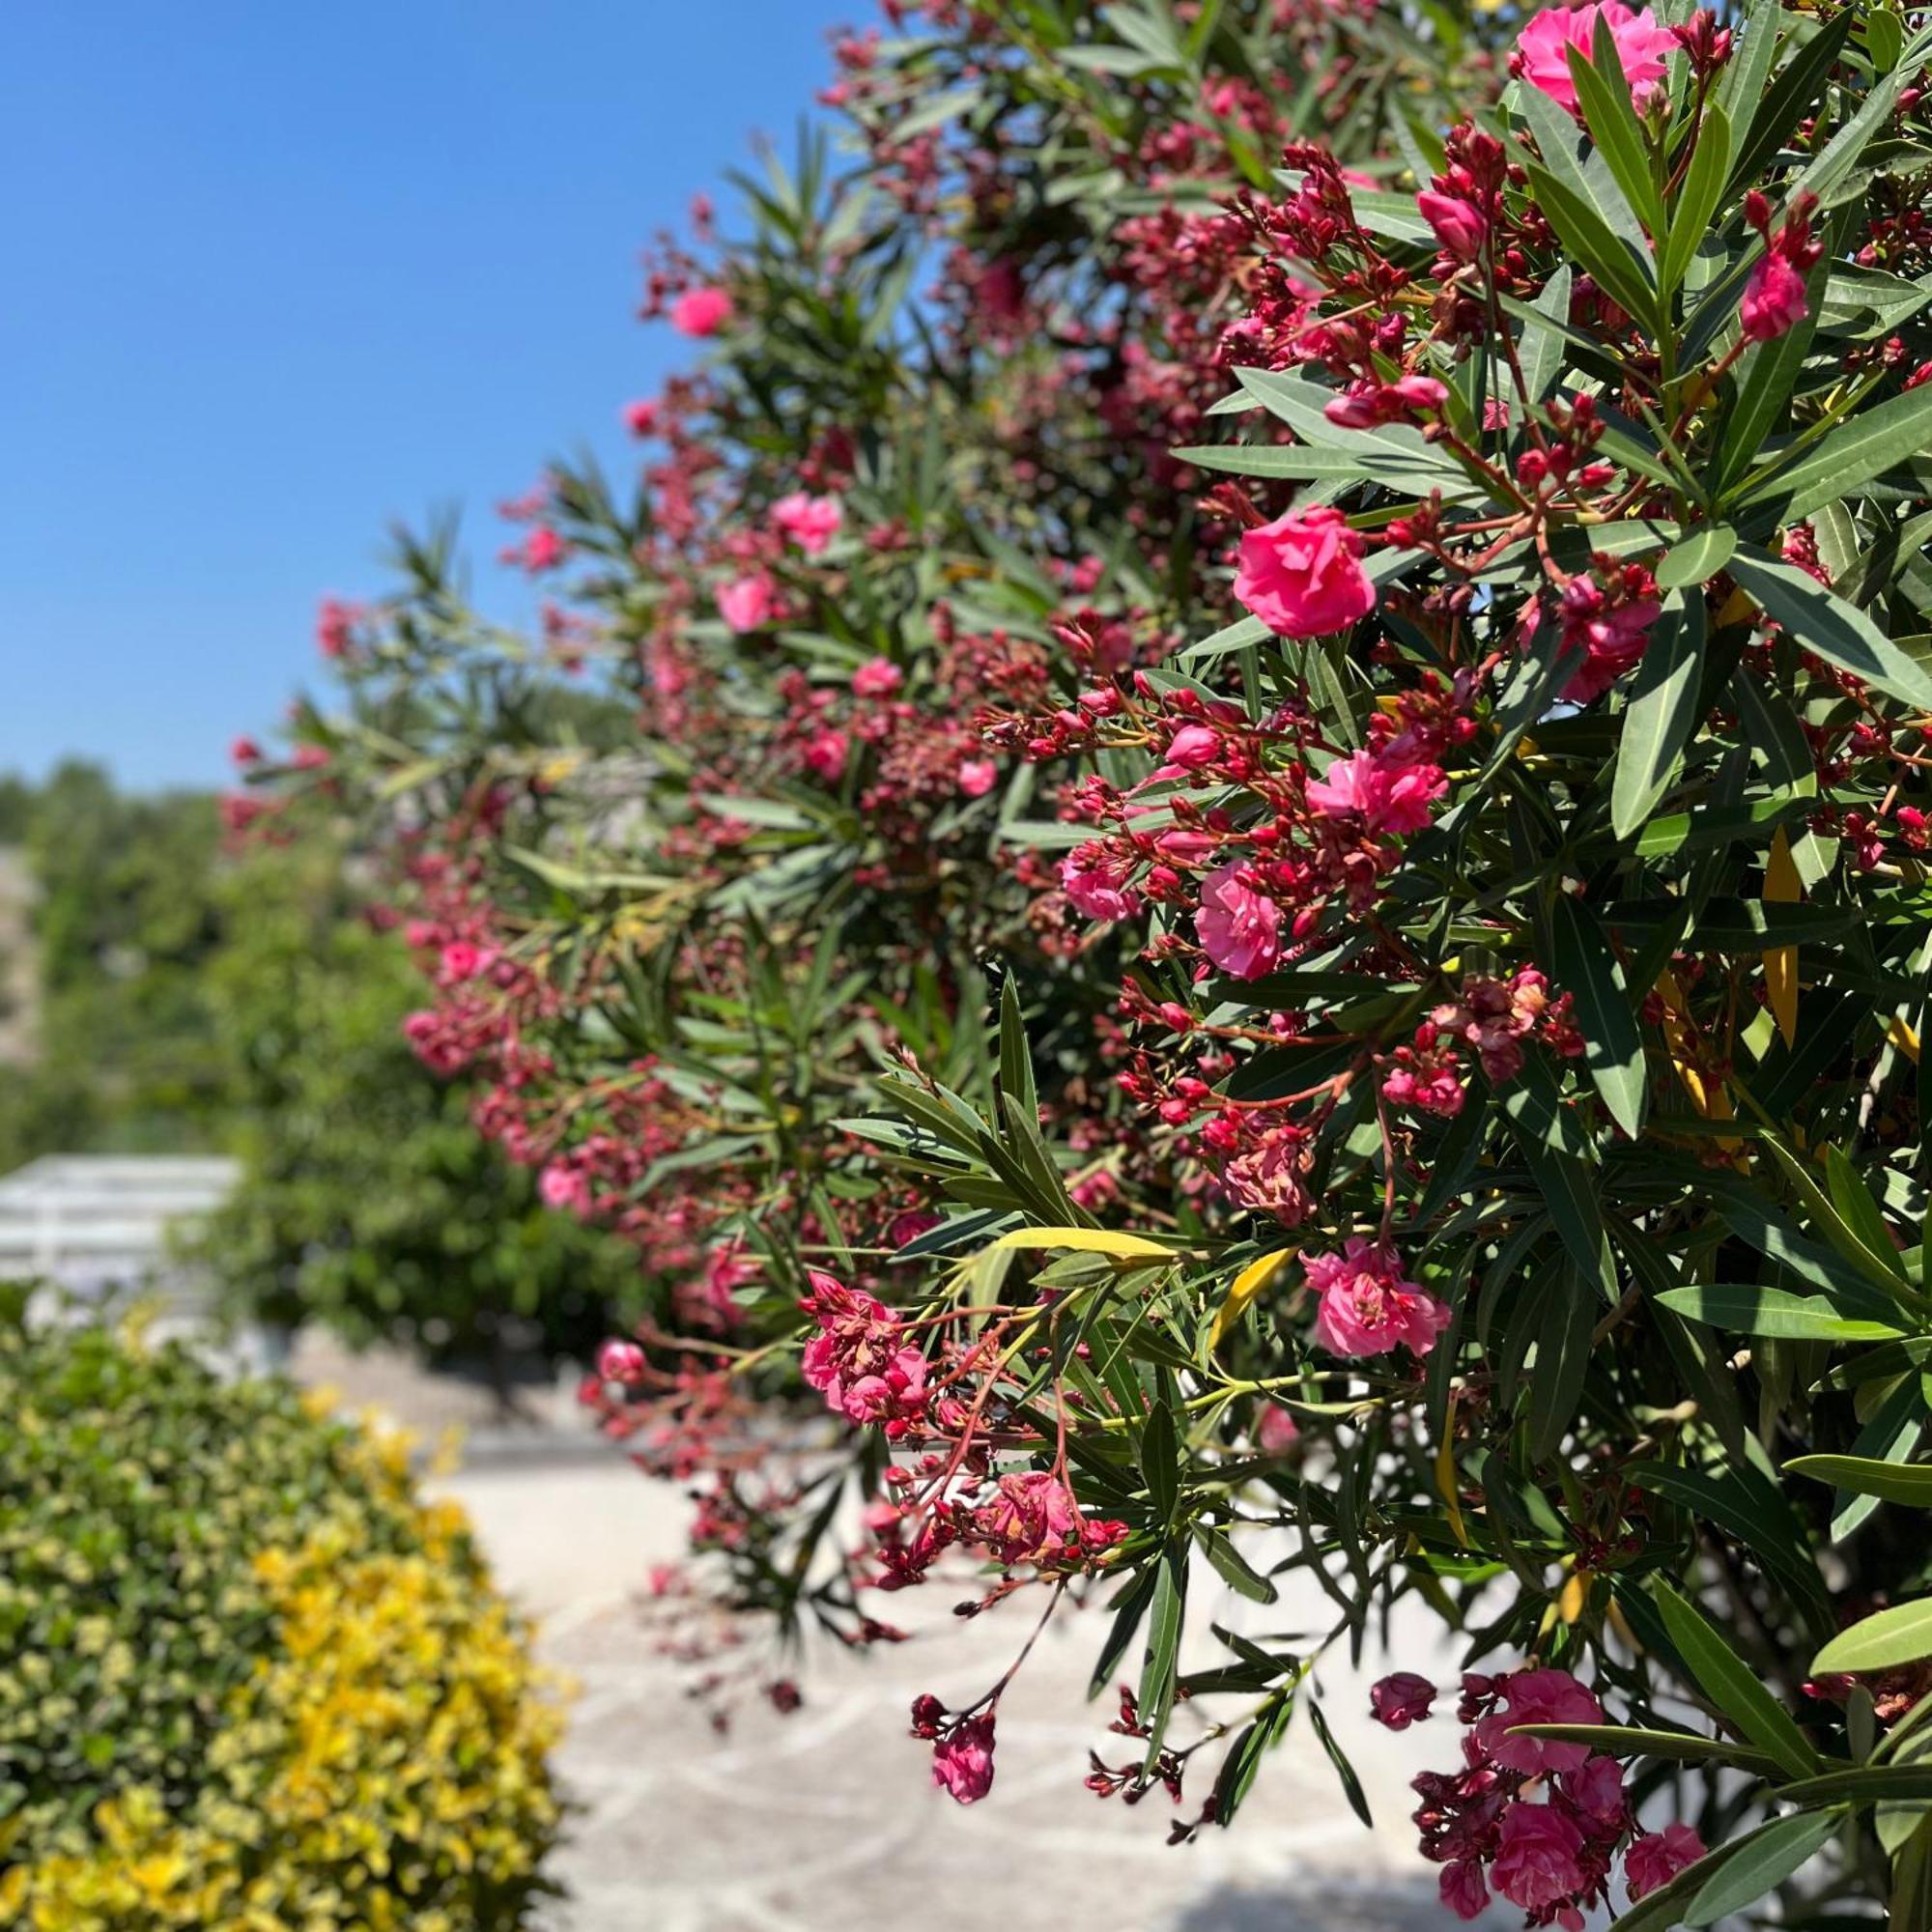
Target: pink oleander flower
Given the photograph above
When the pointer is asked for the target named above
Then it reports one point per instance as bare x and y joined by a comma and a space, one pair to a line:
1366, 1308
1388, 794
962, 1760
335, 627
977, 777
1613, 635
1597, 1790
1538, 1862
1464, 1889
1398, 1701
701, 311
1033, 1517
1097, 884
747, 603
1276, 1432
825, 754
859, 1360
1240, 928
1642, 47
1460, 225
640, 417
620, 1361
1657, 1858
1773, 299
1272, 1175
1302, 573
564, 1187
877, 677
810, 521
1539, 1697
463, 959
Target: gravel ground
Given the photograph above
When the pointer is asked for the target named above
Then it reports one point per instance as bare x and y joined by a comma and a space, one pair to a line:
824, 1821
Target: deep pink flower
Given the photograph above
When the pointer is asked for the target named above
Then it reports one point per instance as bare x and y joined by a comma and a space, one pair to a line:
977, 777
620, 1361
1773, 299
1539, 1697
962, 1760
640, 417
1240, 928
747, 603
877, 677
1401, 1700
1464, 1889
1657, 1858
564, 1187
1597, 1790
810, 521
1460, 225
825, 754
1537, 1861
1388, 794
859, 1360
1641, 43
1097, 884
701, 311
1302, 573
1366, 1308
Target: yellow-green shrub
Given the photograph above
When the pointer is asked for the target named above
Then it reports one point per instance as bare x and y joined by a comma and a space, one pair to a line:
252, 1681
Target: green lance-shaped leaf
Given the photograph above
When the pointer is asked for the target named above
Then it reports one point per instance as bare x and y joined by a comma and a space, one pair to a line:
1732, 1685
1907, 1483
1745, 1308
1602, 90
1866, 444
1766, 1859
1901, 1634
1584, 966
1736, 1863
1831, 628
1697, 200
1662, 712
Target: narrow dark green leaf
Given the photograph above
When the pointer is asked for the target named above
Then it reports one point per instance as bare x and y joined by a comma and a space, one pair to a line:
1732, 1684
1763, 1861
1585, 966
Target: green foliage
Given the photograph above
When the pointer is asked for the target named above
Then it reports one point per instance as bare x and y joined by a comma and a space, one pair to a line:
229, 1622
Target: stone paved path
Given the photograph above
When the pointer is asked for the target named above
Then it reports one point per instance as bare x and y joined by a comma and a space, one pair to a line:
824, 1821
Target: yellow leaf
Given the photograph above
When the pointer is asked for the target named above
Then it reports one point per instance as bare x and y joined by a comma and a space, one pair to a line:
1088, 1241
1445, 1475
1248, 1283
1903, 1036
1783, 887
1575, 1592
1737, 608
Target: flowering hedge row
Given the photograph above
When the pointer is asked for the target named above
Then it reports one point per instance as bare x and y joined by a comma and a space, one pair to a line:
1268, 908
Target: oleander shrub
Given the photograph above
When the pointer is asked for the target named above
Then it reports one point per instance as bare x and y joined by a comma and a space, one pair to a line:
252, 1680
1270, 915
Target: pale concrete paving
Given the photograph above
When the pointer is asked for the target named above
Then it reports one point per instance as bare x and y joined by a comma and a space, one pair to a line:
824, 1821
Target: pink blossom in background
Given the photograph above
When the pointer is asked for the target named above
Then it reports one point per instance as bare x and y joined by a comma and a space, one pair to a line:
962, 1760
747, 603
1388, 794
825, 754
1302, 573
1657, 1858
640, 417
1540, 59
701, 311
810, 521
977, 777
1240, 928
1366, 1308
1539, 1697
877, 677
1537, 1861
563, 1187
620, 1361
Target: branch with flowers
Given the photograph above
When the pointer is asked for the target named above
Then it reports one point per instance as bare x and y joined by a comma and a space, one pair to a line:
1237, 871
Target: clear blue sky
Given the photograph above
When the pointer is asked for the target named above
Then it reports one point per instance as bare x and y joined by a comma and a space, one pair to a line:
275, 274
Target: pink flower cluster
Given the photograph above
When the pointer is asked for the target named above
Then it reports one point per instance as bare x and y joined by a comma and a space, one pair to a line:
1364, 1306
1534, 1820
859, 1360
